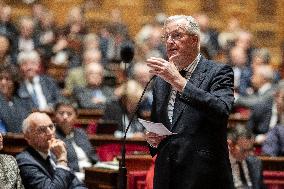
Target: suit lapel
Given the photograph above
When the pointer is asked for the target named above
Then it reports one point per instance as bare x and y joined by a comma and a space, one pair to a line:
163, 95
196, 79
39, 160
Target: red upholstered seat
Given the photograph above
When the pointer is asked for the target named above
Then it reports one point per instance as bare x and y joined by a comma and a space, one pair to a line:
135, 177
274, 179
109, 151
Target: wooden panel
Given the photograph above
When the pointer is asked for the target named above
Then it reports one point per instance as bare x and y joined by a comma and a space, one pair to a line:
266, 10
272, 163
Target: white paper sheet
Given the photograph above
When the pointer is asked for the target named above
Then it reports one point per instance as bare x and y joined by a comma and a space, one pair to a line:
157, 128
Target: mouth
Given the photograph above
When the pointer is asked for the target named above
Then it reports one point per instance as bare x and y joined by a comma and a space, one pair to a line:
172, 51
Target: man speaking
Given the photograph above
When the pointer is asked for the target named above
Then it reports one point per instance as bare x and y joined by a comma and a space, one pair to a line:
193, 97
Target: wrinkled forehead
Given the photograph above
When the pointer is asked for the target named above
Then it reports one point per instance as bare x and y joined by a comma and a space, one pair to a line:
39, 120
179, 24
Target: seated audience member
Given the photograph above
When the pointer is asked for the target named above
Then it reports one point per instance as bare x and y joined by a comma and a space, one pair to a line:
9, 172
262, 83
41, 89
265, 115
142, 76
274, 142
76, 76
242, 73
262, 57
7, 52
246, 168
26, 41
13, 109
94, 94
121, 110
44, 163
80, 153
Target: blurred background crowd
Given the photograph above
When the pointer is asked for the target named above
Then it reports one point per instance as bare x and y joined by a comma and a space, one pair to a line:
43, 63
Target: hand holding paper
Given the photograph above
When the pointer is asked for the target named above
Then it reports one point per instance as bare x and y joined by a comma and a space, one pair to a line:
157, 128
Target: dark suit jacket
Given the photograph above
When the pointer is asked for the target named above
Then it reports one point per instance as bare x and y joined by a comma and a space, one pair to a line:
260, 117
197, 156
35, 175
50, 90
81, 139
84, 96
14, 115
255, 171
274, 143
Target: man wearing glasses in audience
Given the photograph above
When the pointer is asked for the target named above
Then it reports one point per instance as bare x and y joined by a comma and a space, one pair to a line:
246, 167
44, 163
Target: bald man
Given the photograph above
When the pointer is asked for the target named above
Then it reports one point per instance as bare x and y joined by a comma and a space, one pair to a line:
44, 163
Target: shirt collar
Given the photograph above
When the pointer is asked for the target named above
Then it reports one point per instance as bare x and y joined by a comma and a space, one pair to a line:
264, 88
44, 155
194, 62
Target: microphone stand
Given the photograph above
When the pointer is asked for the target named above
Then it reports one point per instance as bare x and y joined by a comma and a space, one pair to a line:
122, 167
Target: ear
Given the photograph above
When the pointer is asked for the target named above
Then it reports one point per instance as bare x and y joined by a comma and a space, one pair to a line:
230, 144
27, 137
195, 40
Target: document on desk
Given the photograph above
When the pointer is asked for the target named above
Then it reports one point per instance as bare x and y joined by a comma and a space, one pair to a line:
157, 128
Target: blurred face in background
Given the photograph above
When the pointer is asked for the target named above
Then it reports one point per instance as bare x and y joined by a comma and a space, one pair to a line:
4, 46
6, 85
238, 57
29, 68
94, 75
27, 28
65, 118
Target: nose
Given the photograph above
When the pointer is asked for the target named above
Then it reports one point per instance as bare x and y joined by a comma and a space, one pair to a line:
65, 115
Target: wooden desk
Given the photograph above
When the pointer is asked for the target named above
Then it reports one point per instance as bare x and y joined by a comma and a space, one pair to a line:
87, 115
99, 178
98, 140
235, 119
272, 163
15, 143
273, 171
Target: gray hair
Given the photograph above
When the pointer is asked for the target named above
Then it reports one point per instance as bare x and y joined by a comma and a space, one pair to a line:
191, 26
26, 126
28, 56
262, 53
266, 72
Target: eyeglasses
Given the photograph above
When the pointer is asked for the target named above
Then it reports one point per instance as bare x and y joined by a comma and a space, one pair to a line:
175, 36
7, 78
43, 128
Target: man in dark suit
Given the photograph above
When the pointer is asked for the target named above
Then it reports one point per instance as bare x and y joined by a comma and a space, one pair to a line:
95, 94
246, 168
44, 163
80, 153
196, 107
267, 114
42, 90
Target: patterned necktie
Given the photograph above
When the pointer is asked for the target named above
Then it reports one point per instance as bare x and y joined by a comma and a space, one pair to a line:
173, 98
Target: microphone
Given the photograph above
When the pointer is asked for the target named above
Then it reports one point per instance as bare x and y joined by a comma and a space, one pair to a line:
122, 168
127, 52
